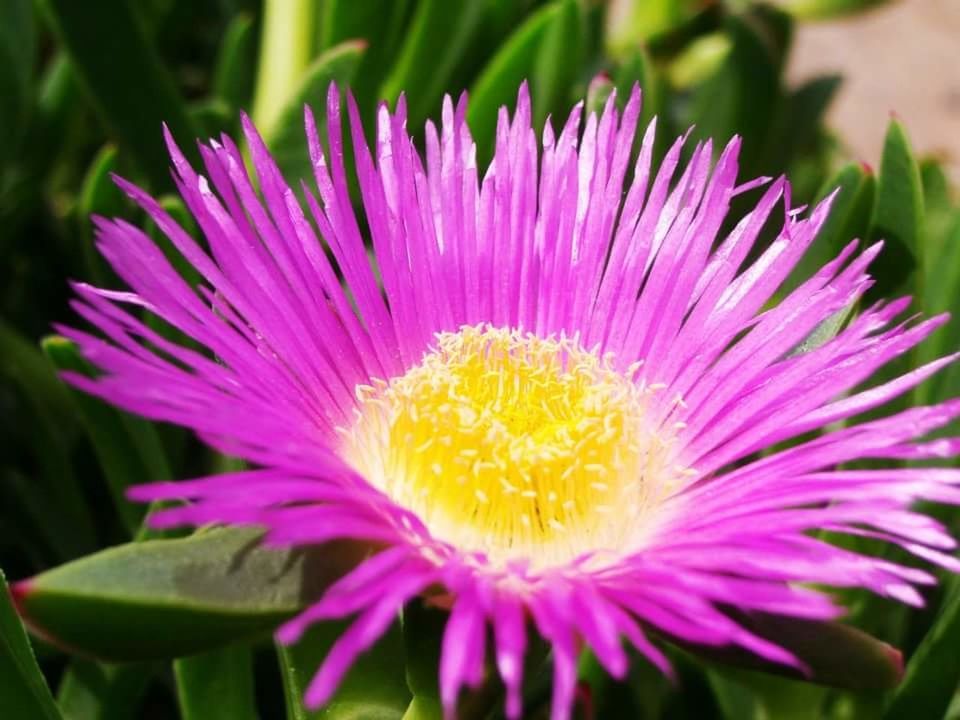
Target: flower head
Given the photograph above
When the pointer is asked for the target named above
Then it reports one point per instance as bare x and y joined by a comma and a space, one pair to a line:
546, 392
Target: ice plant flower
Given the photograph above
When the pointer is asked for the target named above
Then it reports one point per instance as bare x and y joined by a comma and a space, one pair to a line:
541, 396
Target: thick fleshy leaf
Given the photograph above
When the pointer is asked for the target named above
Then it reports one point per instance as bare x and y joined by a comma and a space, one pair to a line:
373, 688
216, 685
169, 598
287, 142
436, 41
23, 690
132, 88
897, 214
836, 654
127, 447
95, 691
512, 63
934, 669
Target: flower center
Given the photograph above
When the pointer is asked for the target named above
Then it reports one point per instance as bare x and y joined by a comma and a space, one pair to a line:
515, 446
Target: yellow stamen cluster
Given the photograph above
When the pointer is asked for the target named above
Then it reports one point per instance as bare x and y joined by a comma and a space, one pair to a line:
513, 445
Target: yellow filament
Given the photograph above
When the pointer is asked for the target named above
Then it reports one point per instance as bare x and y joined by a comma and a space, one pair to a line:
515, 446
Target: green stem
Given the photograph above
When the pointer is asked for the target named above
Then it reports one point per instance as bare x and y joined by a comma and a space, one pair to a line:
286, 46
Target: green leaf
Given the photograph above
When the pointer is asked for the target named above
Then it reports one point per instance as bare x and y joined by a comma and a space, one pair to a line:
854, 189
422, 630
212, 116
836, 654
824, 9
558, 62
217, 685
744, 95
24, 691
638, 68
233, 71
436, 41
127, 447
127, 80
168, 598
746, 695
934, 670
629, 23
513, 62
424, 708
98, 196
941, 293
288, 142
699, 60
734, 699
48, 417
382, 25
373, 688
897, 216
17, 57
94, 691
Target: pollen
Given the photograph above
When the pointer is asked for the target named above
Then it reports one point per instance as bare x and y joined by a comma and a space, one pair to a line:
517, 447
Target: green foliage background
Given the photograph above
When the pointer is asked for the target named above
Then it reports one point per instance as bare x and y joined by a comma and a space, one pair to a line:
162, 627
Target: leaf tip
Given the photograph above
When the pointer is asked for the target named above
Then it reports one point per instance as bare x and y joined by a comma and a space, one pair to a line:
895, 657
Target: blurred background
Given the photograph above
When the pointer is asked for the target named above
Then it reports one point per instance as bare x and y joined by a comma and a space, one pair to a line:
861, 95
901, 59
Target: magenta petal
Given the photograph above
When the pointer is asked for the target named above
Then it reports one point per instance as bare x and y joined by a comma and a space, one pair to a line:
295, 318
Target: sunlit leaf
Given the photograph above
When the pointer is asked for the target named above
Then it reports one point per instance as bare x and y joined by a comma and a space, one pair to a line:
897, 215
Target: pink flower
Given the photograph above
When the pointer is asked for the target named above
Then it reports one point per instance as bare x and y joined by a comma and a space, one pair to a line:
544, 392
